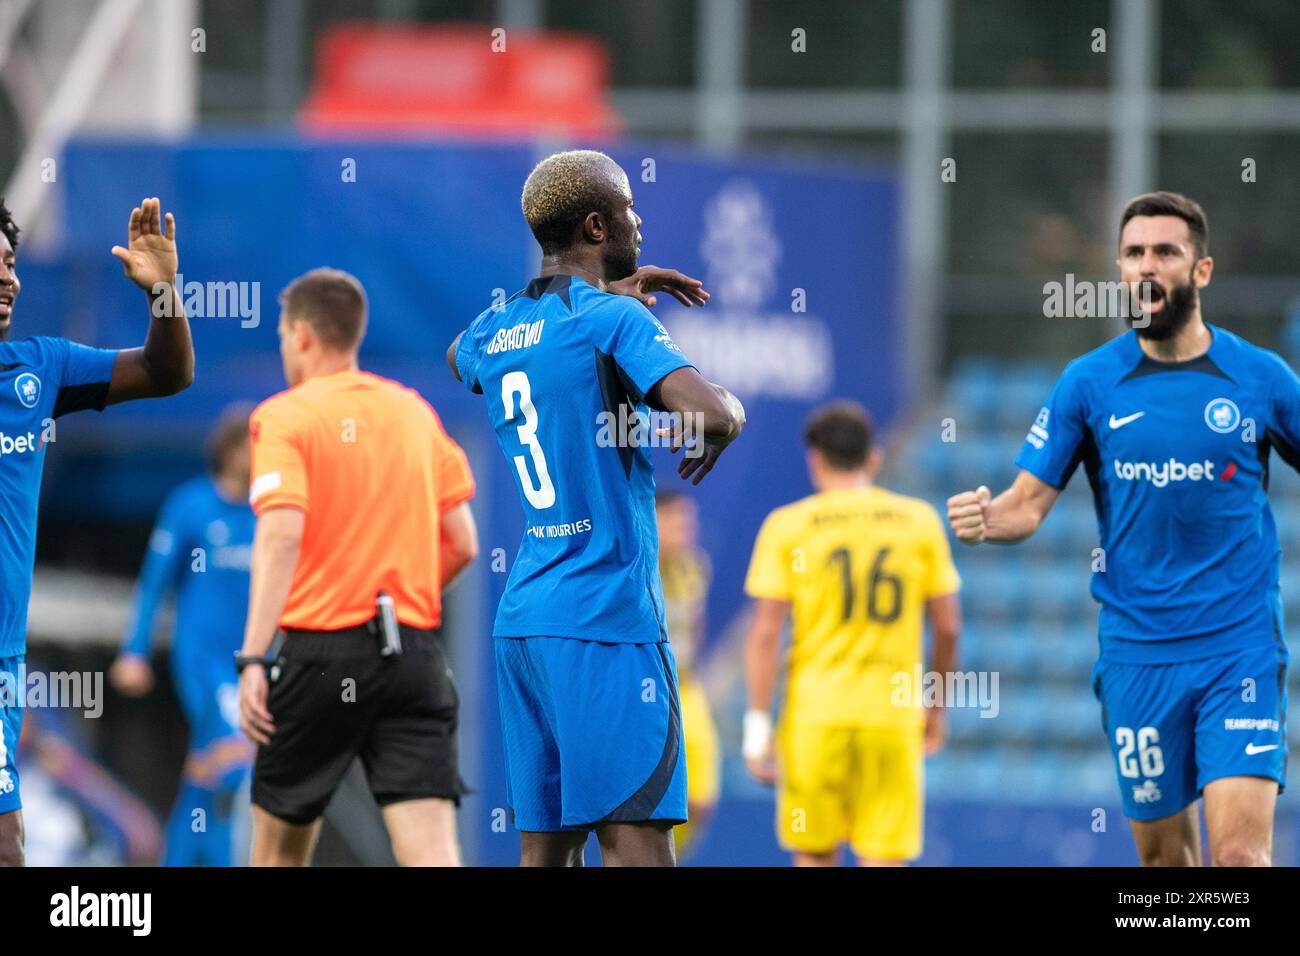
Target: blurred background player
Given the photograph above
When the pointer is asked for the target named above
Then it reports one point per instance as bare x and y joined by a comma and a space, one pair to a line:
50, 377
1174, 422
87, 817
686, 573
583, 605
862, 569
201, 548
362, 503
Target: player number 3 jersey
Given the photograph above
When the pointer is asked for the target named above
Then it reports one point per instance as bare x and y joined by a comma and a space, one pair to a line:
555, 364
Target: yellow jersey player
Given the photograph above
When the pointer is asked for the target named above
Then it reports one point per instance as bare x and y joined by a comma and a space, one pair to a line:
686, 575
861, 568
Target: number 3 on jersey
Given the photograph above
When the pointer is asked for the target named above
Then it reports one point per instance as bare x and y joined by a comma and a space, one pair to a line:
541, 495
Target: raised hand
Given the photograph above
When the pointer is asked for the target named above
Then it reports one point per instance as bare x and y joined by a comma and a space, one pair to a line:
647, 280
149, 258
968, 514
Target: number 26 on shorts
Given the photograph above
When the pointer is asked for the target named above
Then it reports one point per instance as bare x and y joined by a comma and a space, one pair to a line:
1148, 762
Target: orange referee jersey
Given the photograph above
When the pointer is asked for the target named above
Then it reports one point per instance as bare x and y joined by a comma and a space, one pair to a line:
367, 461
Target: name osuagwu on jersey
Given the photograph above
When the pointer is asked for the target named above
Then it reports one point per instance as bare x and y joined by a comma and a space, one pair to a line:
517, 337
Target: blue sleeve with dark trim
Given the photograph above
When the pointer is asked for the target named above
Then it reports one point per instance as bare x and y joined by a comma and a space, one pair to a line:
84, 377
1284, 412
641, 346
1055, 441
469, 351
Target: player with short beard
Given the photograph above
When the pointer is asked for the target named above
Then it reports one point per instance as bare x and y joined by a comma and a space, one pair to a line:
1173, 424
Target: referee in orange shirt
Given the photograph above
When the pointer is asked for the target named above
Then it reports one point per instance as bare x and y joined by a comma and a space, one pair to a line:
362, 518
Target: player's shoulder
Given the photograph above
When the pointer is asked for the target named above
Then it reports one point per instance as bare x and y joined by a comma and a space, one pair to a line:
501, 316
607, 309
1098, 370
289, 410
795, 513
1115, 355
404, 396
187, 500
1235, 352
36, 351
193, 492
489, 318
281, 403
198, 486
911, 507
388, 385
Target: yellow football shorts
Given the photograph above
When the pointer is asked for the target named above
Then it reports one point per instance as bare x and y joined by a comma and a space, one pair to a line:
703, 766
843, 784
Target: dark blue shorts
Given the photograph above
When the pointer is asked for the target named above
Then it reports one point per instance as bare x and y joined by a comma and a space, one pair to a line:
11, 726
1173, 728
593, 733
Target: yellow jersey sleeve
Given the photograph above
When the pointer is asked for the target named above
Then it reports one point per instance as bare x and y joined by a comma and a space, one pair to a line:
941, 577
769, 566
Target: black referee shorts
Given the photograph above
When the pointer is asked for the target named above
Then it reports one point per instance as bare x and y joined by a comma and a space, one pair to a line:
334, 698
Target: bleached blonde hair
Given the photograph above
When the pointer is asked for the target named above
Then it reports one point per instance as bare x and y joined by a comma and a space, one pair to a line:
564, 188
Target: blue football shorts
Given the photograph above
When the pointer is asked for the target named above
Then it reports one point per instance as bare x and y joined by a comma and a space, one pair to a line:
593, 733
1173, 728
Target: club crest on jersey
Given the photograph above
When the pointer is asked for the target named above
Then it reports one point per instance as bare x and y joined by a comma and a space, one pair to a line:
28, 387
1148, 792
1222, 415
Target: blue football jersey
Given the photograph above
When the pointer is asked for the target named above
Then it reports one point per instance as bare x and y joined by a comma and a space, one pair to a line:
40, 379
1177, 454
555, 364
201, 548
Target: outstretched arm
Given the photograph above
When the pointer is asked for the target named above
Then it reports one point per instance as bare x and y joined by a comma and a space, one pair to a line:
165, 364
1010, 517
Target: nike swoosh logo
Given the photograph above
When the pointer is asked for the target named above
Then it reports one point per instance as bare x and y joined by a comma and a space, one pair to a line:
1121, 422
1255, 749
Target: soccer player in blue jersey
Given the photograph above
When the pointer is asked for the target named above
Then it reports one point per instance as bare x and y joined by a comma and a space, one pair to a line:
587, 683
1173, 422
40, 379
202, 548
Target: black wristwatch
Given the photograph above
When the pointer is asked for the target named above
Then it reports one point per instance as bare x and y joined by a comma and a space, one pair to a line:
244, 660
